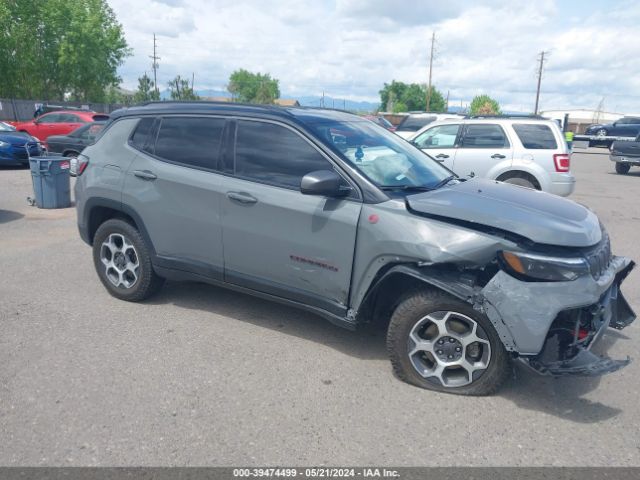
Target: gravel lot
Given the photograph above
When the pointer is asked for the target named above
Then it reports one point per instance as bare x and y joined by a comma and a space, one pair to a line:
205, 376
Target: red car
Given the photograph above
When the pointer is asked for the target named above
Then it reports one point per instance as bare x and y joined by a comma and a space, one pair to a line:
60, 122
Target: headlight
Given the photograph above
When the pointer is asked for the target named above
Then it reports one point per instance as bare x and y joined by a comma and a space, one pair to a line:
4, 144
542, 268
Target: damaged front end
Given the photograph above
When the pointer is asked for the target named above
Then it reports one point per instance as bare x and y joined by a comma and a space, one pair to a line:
567, 347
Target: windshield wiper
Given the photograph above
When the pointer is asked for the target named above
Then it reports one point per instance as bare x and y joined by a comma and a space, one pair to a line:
443, 182
417, 188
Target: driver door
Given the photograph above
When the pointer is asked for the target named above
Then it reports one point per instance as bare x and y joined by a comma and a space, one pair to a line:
275, 239
440, 142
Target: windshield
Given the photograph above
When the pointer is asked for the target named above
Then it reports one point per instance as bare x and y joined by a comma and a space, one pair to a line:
6, 128
382, 156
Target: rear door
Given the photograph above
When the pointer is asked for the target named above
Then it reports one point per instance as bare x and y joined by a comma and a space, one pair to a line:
440, 142
276, 239
483, 147
173, 184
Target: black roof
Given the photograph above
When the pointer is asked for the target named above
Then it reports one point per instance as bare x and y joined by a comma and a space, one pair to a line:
305, 115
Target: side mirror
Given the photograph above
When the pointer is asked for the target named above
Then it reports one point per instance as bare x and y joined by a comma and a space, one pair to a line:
324, 182
615, 124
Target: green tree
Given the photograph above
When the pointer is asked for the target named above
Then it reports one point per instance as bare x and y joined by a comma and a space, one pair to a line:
181, 89
146, 91
251, 87
411, 96
53, 48
116, 95
484, 105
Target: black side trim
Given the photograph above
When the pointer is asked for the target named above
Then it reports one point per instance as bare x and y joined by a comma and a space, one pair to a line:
276, 289
188, 266
182, 275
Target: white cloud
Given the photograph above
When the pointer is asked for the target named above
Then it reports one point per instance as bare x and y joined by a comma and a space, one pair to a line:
350, 48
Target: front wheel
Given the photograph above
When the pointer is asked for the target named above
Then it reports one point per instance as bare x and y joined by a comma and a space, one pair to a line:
622, 168
438, 342
123, 261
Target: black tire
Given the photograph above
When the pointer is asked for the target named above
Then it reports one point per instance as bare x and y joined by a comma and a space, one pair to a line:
409, 313
622, 168
147, 282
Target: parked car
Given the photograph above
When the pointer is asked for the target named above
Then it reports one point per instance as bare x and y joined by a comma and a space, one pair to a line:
71, 145
58, 123
16, 147
626, 154
416, 121
624, 127
380, 120
355, 226
530, 152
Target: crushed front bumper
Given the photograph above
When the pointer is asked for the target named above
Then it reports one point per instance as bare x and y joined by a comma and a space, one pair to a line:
552, 326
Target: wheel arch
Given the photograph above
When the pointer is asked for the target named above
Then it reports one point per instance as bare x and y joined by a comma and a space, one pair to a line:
390, 285
520, 173
99, 210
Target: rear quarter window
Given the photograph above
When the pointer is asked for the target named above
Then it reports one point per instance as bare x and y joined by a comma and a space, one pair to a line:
141, 135
535, 137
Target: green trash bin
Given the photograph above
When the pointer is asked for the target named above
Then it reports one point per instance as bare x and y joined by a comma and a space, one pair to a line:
51, 183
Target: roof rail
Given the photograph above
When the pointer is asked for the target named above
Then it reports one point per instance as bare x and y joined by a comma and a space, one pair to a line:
526, 115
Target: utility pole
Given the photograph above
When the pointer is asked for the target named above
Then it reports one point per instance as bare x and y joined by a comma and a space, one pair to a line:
433, 41
154, 65
541, 66
322, 101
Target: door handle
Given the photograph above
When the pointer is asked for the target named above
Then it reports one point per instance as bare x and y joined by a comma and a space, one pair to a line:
442, 155
241, 197
498, 155
145, 174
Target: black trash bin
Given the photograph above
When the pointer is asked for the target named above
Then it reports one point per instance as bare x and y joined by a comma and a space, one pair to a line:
51, 184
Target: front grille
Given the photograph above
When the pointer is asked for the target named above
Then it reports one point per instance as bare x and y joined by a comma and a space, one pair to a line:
600, 257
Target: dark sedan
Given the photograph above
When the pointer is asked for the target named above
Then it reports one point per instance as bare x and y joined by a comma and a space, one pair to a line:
71, 145
16, 147
624, 127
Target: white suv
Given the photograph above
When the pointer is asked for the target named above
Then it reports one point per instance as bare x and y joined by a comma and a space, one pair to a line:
416, 121
526, 151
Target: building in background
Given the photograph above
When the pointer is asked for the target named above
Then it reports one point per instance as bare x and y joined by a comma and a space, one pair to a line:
580, 119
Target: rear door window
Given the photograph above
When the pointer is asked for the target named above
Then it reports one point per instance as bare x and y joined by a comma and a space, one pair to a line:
273, 154
484, 136
442, 136
535, 137
190, 141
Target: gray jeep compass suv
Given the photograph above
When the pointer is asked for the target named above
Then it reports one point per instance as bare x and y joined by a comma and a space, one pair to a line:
329, 212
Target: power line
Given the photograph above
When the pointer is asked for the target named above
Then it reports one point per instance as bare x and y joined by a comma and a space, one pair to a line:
155, 65
540, 68
433, 41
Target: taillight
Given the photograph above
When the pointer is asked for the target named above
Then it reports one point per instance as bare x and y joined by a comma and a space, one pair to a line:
79, 165
562, 162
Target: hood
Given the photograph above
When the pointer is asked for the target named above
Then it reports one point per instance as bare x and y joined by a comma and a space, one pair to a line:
538, 216
16, 138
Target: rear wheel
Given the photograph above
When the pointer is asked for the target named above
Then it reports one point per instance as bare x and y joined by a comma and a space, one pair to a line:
622, 168
123, 262
438, 342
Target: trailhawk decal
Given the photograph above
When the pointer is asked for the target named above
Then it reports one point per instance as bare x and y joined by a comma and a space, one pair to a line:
315, 263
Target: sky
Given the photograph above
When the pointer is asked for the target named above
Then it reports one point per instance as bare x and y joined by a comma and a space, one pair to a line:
350, 48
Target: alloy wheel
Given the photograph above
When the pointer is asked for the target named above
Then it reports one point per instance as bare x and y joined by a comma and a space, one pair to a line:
449, 348
120, 260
